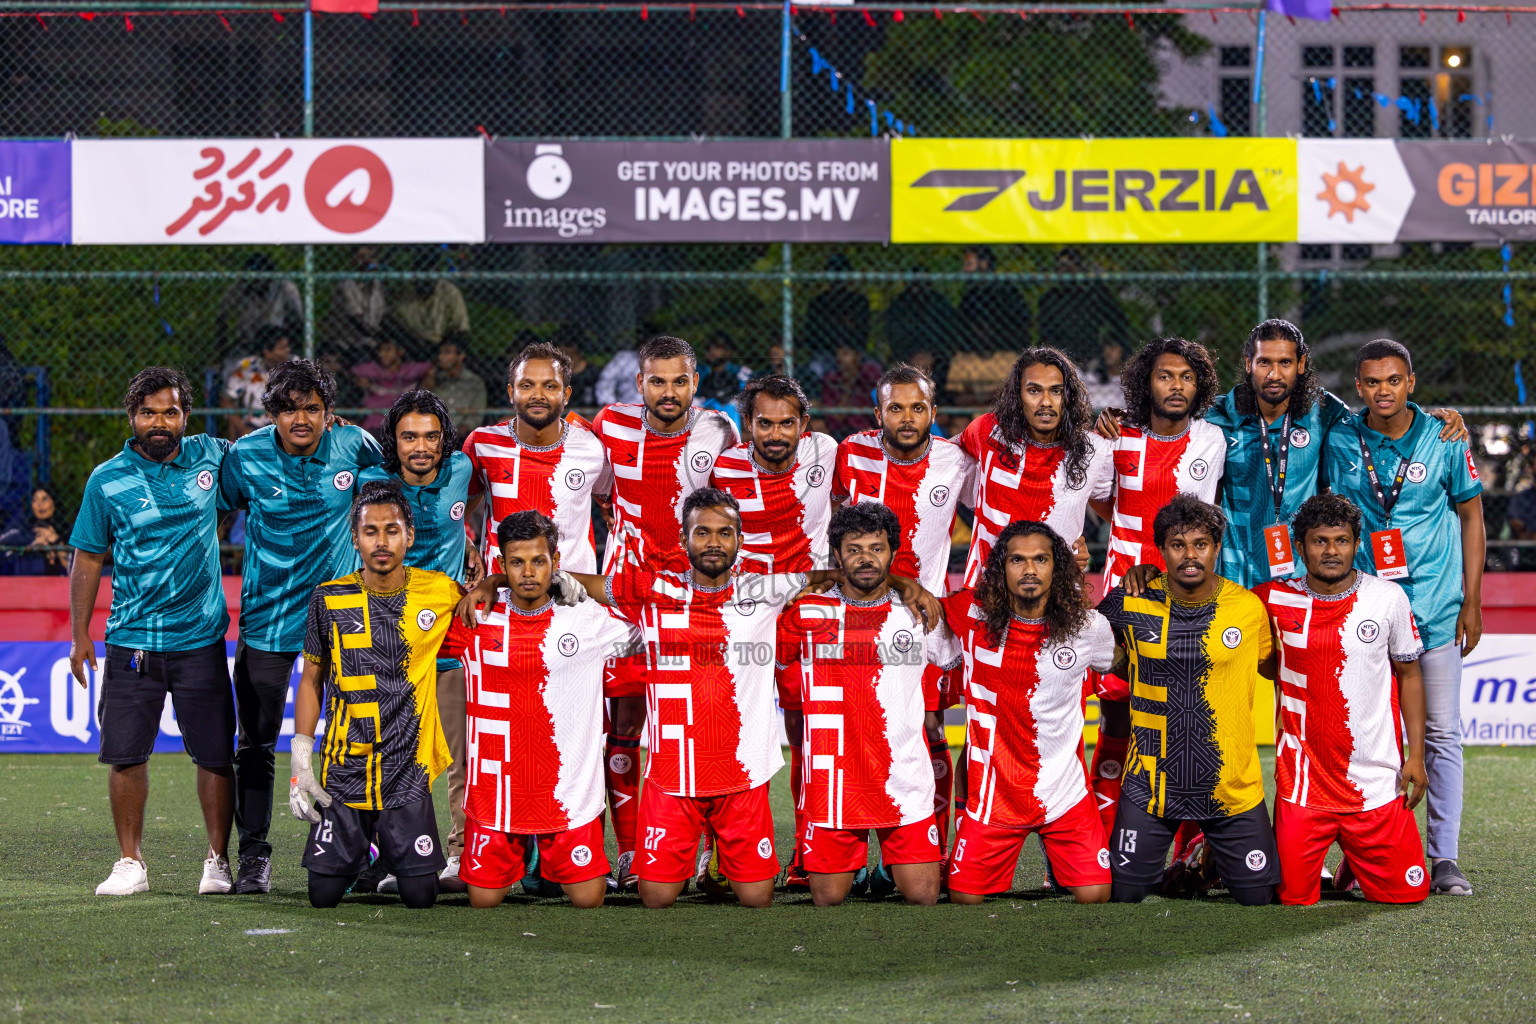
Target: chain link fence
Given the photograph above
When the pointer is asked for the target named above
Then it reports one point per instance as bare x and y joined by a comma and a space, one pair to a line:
78, 321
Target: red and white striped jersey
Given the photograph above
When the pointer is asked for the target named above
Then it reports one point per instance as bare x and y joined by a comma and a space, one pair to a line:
709, 718
1028, 480
1338, 746
653, 474
856, 671
1149, 470
534, 700
1024, 714
924, 493
558, 481
784, 515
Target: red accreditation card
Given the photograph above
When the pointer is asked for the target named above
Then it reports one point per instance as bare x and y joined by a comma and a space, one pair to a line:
1277, 544
1391, 559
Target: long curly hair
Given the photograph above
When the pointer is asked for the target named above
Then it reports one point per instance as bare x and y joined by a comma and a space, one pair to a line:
423, 401
1308, 385
1136, 378
1076, 413
1065, 611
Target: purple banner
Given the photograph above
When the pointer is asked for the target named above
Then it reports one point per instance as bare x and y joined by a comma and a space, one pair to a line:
34, 193
795, 190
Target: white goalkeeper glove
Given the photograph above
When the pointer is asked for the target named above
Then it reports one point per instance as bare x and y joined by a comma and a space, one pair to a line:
565, 590
303, 785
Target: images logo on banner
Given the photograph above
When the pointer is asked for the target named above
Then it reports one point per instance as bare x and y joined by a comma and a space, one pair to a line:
223, 191
1103, 190
797, 190
34, 193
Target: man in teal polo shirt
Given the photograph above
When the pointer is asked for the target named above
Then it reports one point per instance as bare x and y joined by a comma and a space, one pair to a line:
153, 506
1422, 504
417, 433
1277, 421
296, 479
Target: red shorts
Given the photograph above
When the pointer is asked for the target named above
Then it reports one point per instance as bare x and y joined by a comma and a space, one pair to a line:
829, 851
985, 855
1107, 686
940, 688
494, 860
625, 677
670, 827
1383, 848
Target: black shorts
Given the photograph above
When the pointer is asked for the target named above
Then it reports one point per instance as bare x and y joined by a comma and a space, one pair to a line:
1242, 846
132, 700
408, 840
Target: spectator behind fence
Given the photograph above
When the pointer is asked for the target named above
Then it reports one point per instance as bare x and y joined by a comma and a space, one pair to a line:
42, 526
838, 316
617, 381
993, 313
1521, 517
775, 362
584, 375
922, 329
385, 378
850, 382
1102, 376
333, 360
256, 302
721, 377
431, 308
461, 390
1080, 317
245, 379
358, 307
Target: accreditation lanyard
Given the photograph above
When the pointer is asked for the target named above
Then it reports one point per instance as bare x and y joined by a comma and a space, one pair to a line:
1386, 499
1275, 463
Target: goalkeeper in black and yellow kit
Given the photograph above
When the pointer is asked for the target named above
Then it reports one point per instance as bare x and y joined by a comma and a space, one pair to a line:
371, 643
1192, 644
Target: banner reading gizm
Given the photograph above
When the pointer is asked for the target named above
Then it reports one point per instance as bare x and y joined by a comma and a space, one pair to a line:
1098, 190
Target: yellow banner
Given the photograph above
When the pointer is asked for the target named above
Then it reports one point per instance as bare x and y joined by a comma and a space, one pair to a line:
1100, 190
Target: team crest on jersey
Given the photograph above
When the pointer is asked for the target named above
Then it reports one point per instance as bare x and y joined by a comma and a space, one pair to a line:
1109, 768
702, 461
1065, 658
1417, 471
457, 512
1414, 876
343, 480
938, 496
940, 768
1198, 469
1256, 860
933, 834
581, 856
424, 845
1300, 437
205, 480
1232, 636
815, 475
1103, 858
902, 641
1368, 631
765, 847
574, 479
425, 618
619, 764
745, 606
568, 644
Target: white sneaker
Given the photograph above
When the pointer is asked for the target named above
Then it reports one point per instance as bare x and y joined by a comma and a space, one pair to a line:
389, 884
216, 880
448, 880
128, 877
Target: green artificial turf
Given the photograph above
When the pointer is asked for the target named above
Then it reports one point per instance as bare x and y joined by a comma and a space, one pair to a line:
66, 954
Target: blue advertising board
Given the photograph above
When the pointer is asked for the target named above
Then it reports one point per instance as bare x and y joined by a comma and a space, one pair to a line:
35, 196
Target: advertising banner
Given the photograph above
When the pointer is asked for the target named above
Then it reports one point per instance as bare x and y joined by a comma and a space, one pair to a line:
43, 710
1498, 691
797, 190
1099, 190
34, 193
267, 191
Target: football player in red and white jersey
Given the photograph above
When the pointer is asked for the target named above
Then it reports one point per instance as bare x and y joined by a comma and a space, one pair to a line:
1029, 642
535, 706
1163, 448
538, 461
851, 662
781, 476
923, 479
1340, 770
660, 452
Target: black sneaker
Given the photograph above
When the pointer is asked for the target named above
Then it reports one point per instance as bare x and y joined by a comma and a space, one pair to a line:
1446, 877
255, 876
368, 881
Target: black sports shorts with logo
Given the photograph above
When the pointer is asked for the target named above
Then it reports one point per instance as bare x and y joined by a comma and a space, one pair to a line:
1242, 846
408, 840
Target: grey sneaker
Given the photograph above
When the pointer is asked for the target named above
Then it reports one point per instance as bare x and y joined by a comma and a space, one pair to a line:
1446, 877
255, 876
